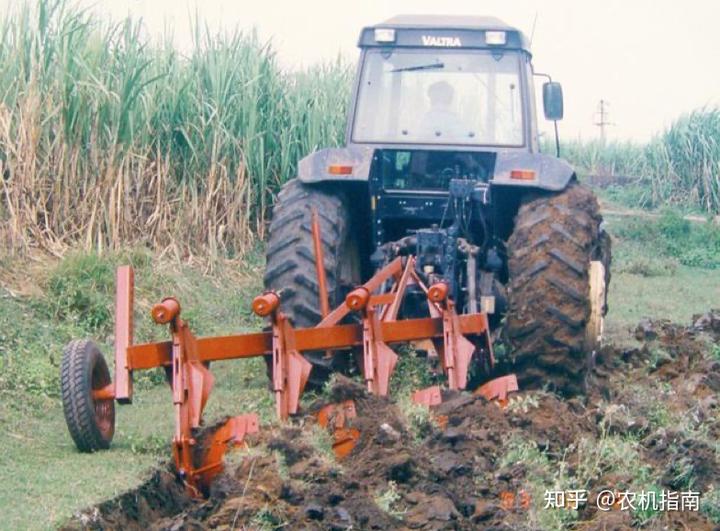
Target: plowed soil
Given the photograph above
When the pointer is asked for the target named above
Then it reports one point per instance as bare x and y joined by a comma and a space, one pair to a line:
649, 417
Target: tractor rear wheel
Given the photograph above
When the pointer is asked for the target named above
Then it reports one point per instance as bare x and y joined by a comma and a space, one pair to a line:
559, 263
91, 421
290, 261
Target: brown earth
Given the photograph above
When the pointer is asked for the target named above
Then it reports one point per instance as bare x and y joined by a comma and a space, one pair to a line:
658, 402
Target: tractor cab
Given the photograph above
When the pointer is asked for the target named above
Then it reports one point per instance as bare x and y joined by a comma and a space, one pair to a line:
442, 82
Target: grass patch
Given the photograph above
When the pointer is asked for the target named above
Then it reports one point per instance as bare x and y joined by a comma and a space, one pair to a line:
648, 266
542, 474
672, 237
648, 281
609, 454
412, 372
635, 195
714, 352
321, 441
418, 418
387, 500
265, 520
656, 270
710, 505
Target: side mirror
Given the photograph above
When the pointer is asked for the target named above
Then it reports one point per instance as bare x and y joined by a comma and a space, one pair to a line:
553, 100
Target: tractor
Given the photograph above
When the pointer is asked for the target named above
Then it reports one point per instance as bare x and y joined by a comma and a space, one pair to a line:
442, 162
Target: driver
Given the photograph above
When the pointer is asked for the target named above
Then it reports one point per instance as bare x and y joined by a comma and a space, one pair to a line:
440, 121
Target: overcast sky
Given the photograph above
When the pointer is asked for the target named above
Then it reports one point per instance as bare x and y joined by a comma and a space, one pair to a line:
651, 59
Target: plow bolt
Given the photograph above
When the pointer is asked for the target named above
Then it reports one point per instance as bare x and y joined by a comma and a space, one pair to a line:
265, 304
438, 292
358, 299
165, 311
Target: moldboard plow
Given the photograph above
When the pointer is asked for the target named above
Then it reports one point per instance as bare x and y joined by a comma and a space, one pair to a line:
89, 393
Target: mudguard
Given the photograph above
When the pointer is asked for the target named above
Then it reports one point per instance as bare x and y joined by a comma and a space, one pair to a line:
353, 163
551, 173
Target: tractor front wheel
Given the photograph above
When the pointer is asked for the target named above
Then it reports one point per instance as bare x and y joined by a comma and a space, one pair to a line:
559, 263
91, 421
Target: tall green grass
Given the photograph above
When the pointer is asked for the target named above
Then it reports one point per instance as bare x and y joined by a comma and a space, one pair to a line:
684, 161
679, 166
108, 138
594, 157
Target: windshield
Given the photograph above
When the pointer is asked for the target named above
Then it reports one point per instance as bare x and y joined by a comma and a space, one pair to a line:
439, 97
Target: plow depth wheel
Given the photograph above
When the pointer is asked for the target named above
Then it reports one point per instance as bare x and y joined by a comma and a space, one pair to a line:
91, 422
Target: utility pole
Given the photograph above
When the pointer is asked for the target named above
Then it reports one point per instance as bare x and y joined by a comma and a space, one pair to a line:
603, 118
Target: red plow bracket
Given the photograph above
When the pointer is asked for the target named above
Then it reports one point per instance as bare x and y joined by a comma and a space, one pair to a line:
456, 350
499, 388
290, 369
231, 433
124, 294
338, 416
379, 360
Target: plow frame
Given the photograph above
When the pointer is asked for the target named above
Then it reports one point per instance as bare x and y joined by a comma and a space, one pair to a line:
186, 358
379, 322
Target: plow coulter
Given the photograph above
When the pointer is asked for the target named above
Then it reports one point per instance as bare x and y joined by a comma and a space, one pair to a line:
89, 393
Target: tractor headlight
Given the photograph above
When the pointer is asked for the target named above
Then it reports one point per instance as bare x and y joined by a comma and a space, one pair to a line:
497, 38
384, 35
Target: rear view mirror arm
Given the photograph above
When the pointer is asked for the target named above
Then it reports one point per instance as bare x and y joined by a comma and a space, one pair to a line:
555, 124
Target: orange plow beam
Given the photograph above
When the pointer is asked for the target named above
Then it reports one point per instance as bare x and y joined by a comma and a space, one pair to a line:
149, 355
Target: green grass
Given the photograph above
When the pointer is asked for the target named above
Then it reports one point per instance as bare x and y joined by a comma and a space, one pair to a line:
540, 474
679, 166
673, 237
656, 271
109, 138
634, 297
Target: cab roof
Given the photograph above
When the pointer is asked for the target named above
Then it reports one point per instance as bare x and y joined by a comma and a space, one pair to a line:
445, 22
452, 31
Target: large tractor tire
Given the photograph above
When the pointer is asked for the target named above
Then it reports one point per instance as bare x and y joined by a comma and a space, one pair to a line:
290, 261
559, 267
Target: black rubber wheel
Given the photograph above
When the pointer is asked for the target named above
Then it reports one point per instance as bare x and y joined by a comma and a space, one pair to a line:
556, 237
91, 422
290, 261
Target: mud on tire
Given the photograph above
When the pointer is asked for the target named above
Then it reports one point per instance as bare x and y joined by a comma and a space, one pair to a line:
290, 260
556, 237
91, 422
